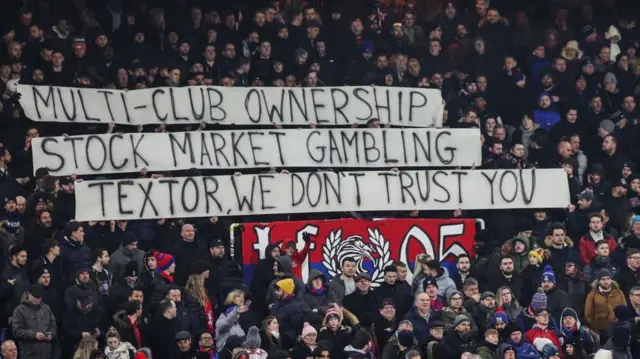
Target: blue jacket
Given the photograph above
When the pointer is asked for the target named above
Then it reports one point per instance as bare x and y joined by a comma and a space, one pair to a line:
524, 350
420, 325
546, 118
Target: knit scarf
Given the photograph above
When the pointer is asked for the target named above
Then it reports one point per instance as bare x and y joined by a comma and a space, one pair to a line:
318, 291
569, 332
167, 276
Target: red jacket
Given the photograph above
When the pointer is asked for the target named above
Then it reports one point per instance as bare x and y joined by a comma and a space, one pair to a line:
534, 333
297, 258
587, 247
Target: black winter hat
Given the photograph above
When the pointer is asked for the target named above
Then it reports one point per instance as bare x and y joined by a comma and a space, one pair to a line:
511, 328
429, 281
199, 267
405, 338
131, 269
128, 238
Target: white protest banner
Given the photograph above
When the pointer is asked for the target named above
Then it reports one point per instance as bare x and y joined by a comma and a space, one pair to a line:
408, 107
316, 148
320, 192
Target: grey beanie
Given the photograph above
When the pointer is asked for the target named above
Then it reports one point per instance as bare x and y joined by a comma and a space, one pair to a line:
252, 340
451, 295
610, 78
300, 52
604, 272
460, 318
608, 125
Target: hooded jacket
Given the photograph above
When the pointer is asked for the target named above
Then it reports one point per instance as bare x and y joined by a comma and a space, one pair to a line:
446, 285
121, 257
284, 263
28, 319
317, 300
584, 336
598, 310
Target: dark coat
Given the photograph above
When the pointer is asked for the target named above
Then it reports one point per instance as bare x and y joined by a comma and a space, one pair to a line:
158, 291
122, 324
223, 273
162, 342
290, 316
262, 277
459, 345
185, 253
74, 256
74, 323
627, 279
11, 295
316, 299
420, 325
359, 304
397, 292
557, 300
53, 298
339, 339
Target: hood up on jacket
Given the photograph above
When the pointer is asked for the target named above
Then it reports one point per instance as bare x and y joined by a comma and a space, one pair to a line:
285, 263
268, 249
570, 312
524, 239
313, 274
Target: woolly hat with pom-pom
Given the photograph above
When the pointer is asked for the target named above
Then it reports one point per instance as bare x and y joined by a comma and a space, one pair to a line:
539, 300
499, 317
252, 340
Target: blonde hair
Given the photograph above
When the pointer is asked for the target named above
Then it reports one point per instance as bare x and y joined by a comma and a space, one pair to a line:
195, 288
85, 347
234, 293
499, 302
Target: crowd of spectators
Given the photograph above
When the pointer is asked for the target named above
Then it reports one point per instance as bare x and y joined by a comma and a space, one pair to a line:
549, 84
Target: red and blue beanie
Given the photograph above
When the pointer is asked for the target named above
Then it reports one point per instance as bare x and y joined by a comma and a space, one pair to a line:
164, 261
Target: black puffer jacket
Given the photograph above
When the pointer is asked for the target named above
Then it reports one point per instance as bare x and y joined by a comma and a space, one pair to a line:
157, 291
75, 256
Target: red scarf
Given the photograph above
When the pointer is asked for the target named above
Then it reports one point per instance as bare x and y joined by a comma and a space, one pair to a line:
208, 312
136, 332
167, 276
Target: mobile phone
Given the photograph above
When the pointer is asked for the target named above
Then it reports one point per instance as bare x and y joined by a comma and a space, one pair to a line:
247, 303
47, 334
